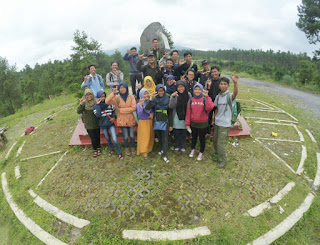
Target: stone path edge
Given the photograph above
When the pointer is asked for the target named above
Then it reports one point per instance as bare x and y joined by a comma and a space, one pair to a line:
166, 235
65, 217
35, 229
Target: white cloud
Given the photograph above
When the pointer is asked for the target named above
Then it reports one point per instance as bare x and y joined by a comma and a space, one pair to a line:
37, 31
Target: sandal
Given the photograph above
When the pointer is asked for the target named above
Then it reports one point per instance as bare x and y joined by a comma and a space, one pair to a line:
127, 152
133, 150
120, 156
95, 153
98, 152
110, 153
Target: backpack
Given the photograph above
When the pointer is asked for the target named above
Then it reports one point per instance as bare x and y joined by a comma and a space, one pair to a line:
29, 130
235, 108
204, 102
99, 78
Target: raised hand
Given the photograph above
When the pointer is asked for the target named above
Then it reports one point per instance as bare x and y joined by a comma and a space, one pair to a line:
141, 101
154, 94
181, 62
85, 78
128, 51
139, 85
151, 116
205, 93
161, 65
98, 101
115, 91
174, 94
174, 82
82, 100
235, 77
141, 57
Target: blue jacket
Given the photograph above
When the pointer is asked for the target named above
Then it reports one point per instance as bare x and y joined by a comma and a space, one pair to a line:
133, 60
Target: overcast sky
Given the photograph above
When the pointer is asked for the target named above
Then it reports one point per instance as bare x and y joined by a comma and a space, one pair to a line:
37, 31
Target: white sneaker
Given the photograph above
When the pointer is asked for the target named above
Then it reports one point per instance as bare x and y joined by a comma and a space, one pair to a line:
191, 153
166, 159
160, 153
200, 156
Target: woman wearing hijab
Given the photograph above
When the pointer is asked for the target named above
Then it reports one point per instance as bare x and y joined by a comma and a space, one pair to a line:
107, 118
178, 104
160, 102
125, 106
91, 122
148, 84
145, 128
198, 108
170, 85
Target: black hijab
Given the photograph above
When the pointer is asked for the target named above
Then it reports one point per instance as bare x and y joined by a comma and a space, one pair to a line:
182, 101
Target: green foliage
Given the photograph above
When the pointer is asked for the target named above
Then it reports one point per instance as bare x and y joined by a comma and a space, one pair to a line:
309, 21
306, 71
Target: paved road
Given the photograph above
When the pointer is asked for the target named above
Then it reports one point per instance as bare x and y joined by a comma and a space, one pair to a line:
302, 99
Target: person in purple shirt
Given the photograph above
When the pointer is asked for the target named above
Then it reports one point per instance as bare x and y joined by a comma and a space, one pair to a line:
145, 139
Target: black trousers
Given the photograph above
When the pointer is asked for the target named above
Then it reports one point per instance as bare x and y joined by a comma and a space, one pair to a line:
201, 132
180, 138
95, 137
133, 78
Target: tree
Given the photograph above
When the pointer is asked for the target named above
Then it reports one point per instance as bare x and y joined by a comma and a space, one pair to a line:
169, 36
306, 71
309, 20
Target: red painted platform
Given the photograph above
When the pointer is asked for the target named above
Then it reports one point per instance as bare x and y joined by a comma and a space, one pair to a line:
81, 138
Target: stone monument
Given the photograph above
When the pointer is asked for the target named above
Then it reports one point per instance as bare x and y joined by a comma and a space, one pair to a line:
152, 31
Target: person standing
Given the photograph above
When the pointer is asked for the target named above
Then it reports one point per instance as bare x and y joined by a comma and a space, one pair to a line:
93, 81
91, 122
203, 74
186, 66
132, 57
223, 117
114, 77
150, 69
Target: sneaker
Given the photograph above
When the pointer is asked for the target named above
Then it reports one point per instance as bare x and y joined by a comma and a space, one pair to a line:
176, 150
183, 151
192, 153
200, 156
166, 159
160, 153
156, 140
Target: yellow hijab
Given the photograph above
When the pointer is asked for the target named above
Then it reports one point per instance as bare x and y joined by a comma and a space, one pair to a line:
152, 88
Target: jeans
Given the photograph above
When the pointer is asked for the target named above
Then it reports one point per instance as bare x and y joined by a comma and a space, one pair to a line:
133, 78
201, 132
112, 131
220, 137
94, 135
128, 131
180, 138
163, 140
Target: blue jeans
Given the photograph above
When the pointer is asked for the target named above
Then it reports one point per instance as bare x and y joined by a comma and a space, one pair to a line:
112, 130
128, 131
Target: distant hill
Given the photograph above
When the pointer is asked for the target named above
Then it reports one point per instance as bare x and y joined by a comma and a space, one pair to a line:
123, 49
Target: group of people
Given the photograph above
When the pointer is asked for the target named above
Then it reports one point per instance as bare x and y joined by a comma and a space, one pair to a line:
171, 97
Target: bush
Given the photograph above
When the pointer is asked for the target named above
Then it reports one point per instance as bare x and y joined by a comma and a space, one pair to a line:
287, 79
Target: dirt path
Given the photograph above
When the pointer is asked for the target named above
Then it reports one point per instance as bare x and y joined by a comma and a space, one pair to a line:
302, 99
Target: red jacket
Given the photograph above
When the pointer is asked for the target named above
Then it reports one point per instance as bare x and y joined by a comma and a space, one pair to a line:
198, 113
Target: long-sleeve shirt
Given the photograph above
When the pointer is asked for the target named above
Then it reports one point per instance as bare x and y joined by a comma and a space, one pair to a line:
114, 79
94, 83
197, 113
147, 70
133, 60
142, 114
